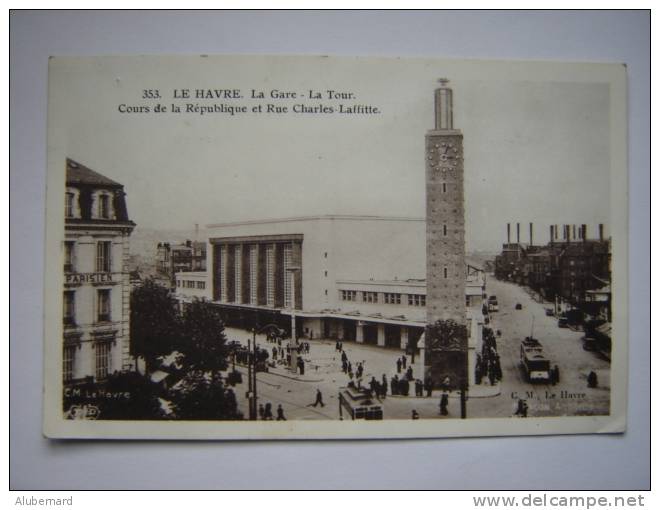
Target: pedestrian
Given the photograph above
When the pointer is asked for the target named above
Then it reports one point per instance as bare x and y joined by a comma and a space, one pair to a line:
409, 374
344, 357
261, 411
319, 398
360, 370
394, 385
350, 368
274, 352
280, 413
415, 415
301, 366
373, 386
428, 385
344, 366
444, 402
419, 388
592, 380
384, 385
268, 411
336, 346
404, 386
398, 365
404, 360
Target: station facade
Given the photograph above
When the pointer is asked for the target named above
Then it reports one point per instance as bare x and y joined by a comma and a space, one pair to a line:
351, 278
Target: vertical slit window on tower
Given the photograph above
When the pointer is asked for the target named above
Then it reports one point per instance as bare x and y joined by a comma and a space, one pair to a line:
444, 187
444, 230
445, 272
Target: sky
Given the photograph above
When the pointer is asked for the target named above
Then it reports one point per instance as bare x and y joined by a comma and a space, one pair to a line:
536, 139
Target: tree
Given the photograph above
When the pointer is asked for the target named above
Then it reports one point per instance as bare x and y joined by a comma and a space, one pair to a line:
155, 326
204, 397
203, 344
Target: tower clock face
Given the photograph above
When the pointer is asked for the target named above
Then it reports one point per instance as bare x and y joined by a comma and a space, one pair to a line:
446, 158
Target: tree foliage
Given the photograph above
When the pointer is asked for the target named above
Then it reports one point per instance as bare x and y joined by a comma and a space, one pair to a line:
204, 344
155, 327
204, 397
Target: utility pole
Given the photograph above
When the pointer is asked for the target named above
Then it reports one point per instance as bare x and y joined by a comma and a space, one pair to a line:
250, 395
294, 337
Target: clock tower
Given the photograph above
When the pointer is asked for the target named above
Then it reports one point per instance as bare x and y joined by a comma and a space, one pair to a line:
445, 357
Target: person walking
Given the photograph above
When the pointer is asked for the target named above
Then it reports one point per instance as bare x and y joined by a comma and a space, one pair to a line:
409, 374
319, 399
268, 411
428, 385
280, 413
444, 402
404, 360
398, 365
383, 386
394, 385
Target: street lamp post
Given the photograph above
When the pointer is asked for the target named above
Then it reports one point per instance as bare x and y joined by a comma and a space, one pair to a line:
252, 369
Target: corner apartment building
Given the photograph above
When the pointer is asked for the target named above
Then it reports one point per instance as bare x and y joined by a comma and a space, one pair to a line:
96, 293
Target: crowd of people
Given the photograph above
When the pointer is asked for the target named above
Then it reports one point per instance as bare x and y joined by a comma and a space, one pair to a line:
488, 362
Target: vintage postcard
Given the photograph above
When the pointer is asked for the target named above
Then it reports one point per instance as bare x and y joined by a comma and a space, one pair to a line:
270, 247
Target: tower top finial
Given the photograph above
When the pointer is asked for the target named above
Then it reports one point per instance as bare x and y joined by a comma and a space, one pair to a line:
443, 81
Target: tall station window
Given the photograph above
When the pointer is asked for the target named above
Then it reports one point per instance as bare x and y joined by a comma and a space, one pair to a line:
288, 262
254, 260
103, 305
102, 350
270, 275
223, 273
69, 254
103, 256
238, 274
370, 297
67, 361
69, 311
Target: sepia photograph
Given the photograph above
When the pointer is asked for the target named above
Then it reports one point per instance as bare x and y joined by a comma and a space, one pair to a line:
358, 247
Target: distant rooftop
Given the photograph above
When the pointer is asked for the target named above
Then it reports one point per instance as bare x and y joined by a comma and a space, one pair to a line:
318, 217
77, 173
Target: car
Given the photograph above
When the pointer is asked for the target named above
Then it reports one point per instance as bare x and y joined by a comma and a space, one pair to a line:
518, 306
549, 312
562, 322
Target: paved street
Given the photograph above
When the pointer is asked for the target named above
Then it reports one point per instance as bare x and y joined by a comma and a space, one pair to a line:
562, 346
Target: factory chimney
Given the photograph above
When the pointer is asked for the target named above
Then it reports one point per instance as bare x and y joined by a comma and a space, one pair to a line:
508, 233
518, 233
552, 234
584, 232
531, 234
600, 232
